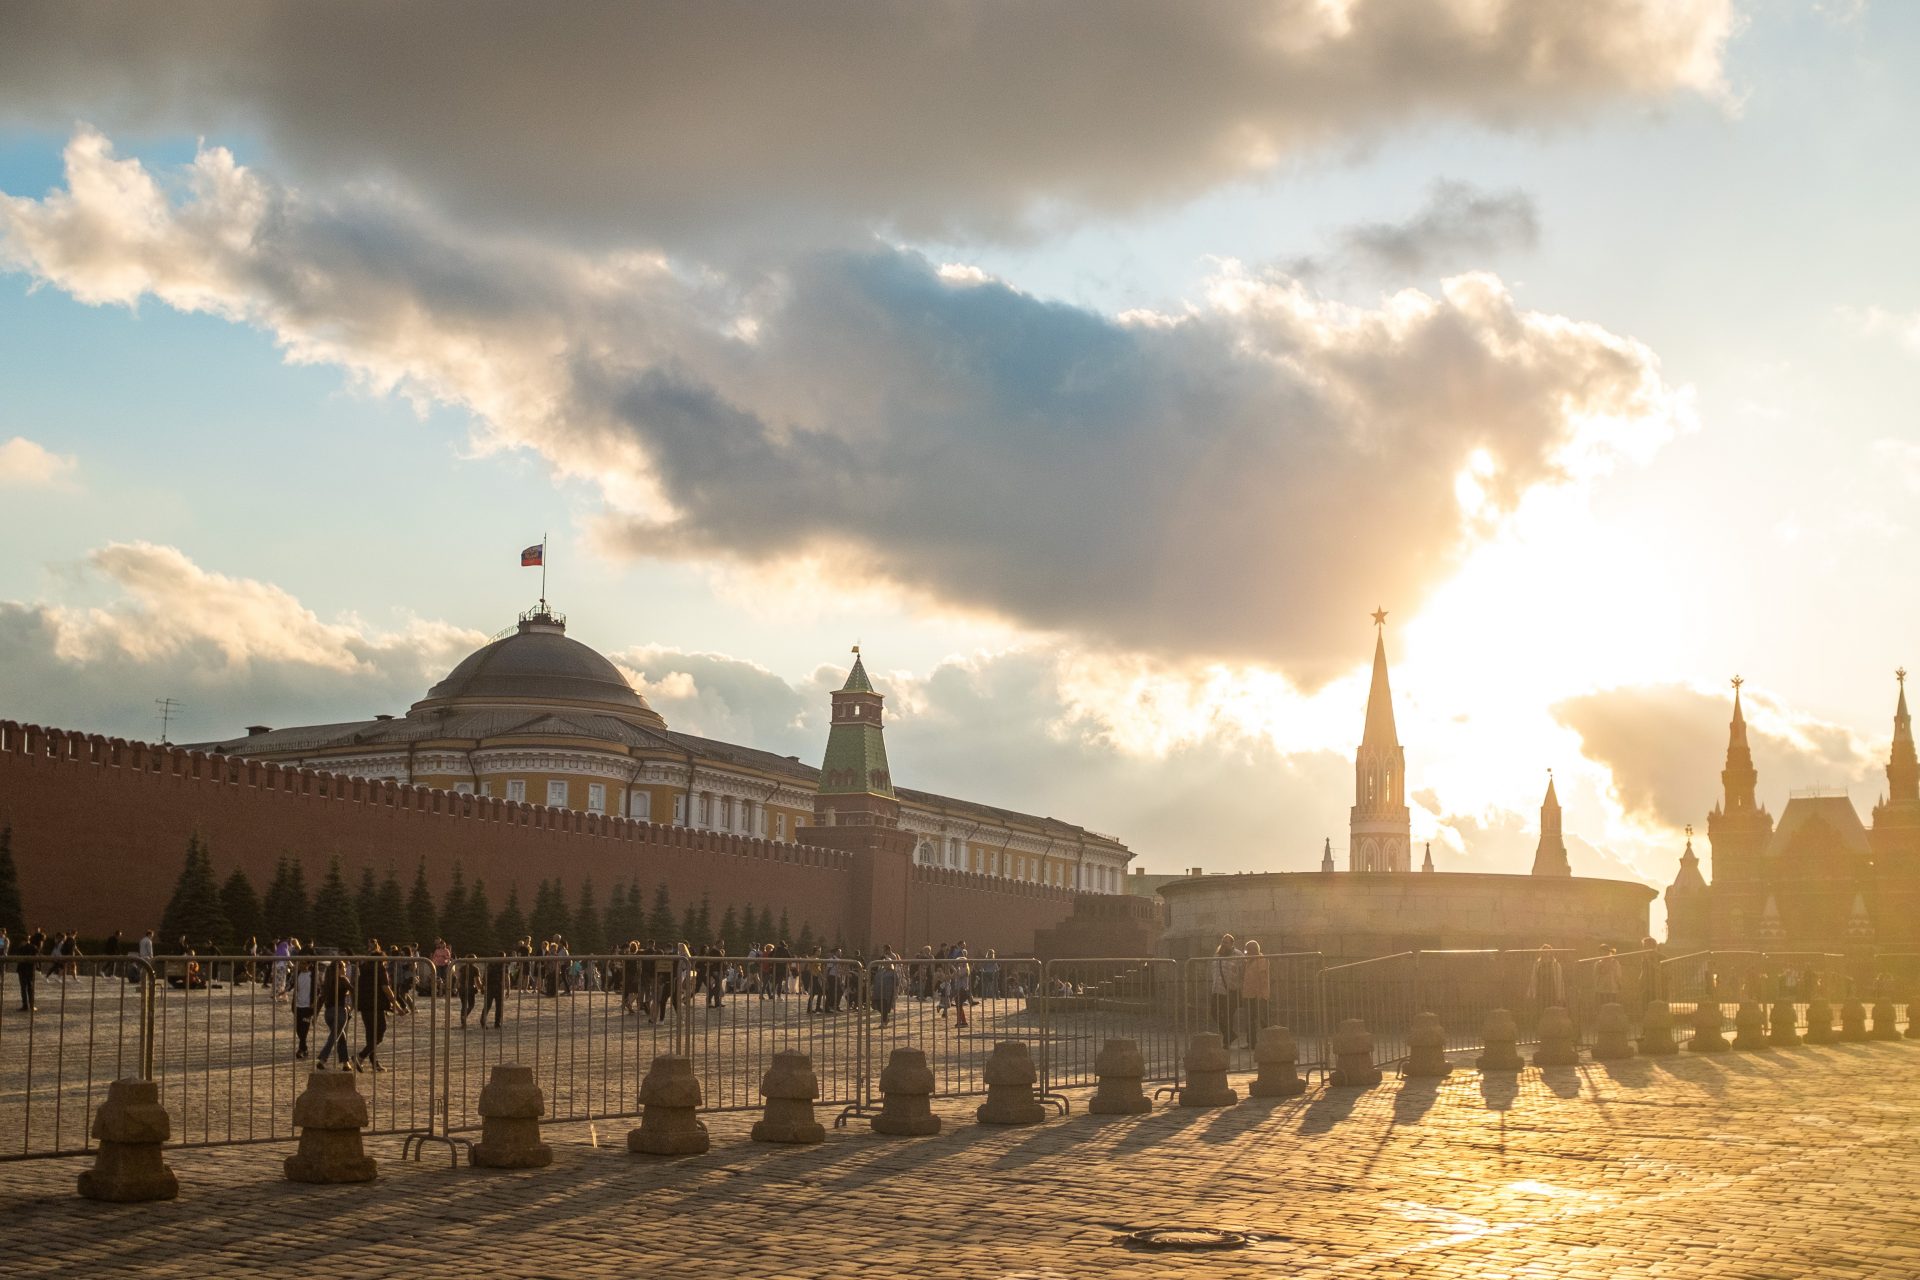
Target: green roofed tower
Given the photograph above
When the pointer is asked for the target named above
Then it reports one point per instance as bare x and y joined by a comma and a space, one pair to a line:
855, 784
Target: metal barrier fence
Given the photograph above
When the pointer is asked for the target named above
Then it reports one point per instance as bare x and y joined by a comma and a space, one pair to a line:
229, 1039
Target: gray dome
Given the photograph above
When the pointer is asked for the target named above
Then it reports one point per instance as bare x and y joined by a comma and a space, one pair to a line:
539, 664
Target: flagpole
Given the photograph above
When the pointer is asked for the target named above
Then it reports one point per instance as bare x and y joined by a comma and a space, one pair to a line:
543, 573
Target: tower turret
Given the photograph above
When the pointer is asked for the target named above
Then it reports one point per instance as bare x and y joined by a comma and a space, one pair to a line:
855, 784
1380, 826
1688, 900
1739, 826
1550, 855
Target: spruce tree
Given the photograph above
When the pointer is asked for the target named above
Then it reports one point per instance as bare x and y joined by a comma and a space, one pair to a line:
807, 940
588, 935
613, 921
455, 926
510, 926
636, 914
550, 914
242, 908
763, 929
336, 923
747, 937
786, 930
703, 921
660, 926
476, 929
366, 904
194, 911
389, 922
421, 917
12, 914
730, 932
689, 929
286, 911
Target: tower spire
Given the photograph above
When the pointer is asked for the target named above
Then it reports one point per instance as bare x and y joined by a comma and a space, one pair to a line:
1903, 767
1550, 856
1380, 826
1738, 778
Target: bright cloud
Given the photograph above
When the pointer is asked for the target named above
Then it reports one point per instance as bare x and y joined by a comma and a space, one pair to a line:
26, 464
1206, 484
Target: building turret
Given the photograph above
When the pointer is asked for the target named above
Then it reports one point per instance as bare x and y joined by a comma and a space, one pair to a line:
1739, 826
1428, 864
856, 787
1550, 855
1326, 855
1688, 899
1903, 767
1380, 833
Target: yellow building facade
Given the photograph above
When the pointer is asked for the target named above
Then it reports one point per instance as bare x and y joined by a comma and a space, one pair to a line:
536, 717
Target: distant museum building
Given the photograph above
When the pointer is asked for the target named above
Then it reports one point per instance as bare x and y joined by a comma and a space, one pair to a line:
1819, 880
536, 717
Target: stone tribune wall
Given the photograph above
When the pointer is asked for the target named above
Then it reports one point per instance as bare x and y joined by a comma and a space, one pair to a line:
100, 829
1354, 915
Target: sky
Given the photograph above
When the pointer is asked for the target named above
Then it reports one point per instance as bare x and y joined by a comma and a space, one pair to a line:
1098, 368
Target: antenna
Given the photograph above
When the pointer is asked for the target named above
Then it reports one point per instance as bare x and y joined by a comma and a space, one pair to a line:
167, 707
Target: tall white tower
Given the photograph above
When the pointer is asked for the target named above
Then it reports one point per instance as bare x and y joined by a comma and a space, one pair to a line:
1380, 828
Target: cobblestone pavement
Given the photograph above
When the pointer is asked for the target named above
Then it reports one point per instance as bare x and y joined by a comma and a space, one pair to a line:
1778, 1164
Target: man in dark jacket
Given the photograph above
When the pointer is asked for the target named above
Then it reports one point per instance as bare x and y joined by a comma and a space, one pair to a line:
28, 949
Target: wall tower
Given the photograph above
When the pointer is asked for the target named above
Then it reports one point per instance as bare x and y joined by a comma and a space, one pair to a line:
1380, 828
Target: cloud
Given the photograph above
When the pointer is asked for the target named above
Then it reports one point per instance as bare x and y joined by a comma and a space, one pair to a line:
1666, 744
1459, 223
1240, 479
234, 650
25, 464
1878, 322
693, 119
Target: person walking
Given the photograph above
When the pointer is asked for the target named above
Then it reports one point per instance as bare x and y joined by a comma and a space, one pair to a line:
1606, 978
1546, 987
302, 1005
496, 989
27, 955
1224, 984
961, 978
336, 1004
374, 995
886, 984
1256, 989
465, 979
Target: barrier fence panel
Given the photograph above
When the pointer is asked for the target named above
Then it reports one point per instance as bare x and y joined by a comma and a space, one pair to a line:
1218, 994
1089, 1002
956, 1010
68, 1029
1379, 992
1460, 988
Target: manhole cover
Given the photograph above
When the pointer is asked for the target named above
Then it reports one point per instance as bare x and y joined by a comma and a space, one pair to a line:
1186, 1239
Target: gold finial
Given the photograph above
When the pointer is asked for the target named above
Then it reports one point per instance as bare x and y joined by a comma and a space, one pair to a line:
1379, 617
1901, 675
856, 650
1737, 682
1689, 833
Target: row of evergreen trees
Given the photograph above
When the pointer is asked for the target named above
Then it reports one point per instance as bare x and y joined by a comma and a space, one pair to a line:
216, 916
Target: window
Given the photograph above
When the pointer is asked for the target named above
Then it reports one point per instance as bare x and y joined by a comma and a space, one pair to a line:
486, 788
706, 809
760, 821
463, 788
596, 797
640, 805
726, 813
557, 795
779, 826
517, 789
680, 810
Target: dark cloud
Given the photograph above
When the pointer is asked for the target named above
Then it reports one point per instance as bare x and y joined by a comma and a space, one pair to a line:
1666, 746
683, 120
1459, 224
1241, 480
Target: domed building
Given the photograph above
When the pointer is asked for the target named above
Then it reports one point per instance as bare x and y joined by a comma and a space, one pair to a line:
536, 717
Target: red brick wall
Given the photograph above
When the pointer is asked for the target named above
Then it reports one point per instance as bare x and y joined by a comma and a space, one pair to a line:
100, 830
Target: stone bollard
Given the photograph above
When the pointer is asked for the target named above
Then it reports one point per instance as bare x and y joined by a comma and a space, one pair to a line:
1886, 1025
669, 1096
1782, 1025
1612, 1034
330, 1116
1708, 1037
130, 1125
1353, 1057
1120, 1068
1277, 1057
510, 1109
1010, 1076
906, 1093
1499, 1037
1206, 1072
1819, 1022
1557, 1046
1656, 1030
1427, 1048
1913, 1016
789, 1088
1750, 1026
1853, 1020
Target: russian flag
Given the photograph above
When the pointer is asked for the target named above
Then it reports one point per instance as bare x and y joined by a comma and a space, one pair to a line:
533, 555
